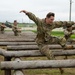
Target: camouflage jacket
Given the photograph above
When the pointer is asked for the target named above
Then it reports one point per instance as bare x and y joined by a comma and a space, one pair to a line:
43, 29
1, 28
14, 28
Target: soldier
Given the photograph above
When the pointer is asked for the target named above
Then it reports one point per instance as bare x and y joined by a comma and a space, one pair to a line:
44, 28
16, 29
2, 27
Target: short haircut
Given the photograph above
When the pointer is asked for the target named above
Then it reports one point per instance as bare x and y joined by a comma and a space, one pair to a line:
2, 23
15, 20
50, 14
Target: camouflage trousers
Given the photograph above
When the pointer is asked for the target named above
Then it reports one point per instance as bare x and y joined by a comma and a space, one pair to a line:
44, 48
17, 32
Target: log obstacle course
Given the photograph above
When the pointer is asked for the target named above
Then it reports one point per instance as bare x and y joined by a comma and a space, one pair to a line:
27, 48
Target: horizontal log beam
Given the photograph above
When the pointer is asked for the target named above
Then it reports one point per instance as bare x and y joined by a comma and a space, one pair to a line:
17, 40
22, 40
33, 47
17, 43
72, 40
35, 53
37, 64
28, 40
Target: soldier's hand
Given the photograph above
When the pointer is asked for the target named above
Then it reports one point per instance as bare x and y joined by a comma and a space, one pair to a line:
24, 11
73, 32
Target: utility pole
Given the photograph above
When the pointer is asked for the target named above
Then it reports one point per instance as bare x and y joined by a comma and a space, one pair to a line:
22, 20
70, 10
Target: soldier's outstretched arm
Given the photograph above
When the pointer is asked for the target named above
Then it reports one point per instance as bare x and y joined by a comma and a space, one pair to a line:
31, 16
4, 26
73, 27
59, 24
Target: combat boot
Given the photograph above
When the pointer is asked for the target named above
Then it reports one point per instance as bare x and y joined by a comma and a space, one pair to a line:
68, 47
50, 55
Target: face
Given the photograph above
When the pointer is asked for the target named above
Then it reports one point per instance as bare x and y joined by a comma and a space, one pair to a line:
15, 23
50, 20
3, 24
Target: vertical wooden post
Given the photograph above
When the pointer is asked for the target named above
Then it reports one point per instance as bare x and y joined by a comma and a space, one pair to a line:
18, 72
7, 72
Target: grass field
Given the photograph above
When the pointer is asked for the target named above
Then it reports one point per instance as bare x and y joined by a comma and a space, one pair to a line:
58, 33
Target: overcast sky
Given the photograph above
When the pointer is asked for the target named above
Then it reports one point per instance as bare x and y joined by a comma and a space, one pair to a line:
9, 9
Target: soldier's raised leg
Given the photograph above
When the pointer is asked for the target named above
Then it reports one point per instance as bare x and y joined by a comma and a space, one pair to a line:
62, 42
44, 49
56, 40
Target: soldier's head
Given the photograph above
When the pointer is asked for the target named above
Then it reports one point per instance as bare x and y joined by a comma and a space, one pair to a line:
3, 24
50, 17
15, 22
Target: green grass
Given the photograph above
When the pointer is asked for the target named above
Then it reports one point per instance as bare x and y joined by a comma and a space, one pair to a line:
1, 72
49, 72
57, 33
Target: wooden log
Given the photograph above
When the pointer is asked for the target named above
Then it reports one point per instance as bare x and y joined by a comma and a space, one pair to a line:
33, 47
37, 64
18, 72
35, 53
17, 43
17, 40
72, 40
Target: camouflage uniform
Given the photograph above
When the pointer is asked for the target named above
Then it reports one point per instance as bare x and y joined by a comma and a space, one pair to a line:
2, 29
68, 31
44, 37
16, 30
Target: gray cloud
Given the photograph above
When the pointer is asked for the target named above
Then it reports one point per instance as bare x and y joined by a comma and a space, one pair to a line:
9, 9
